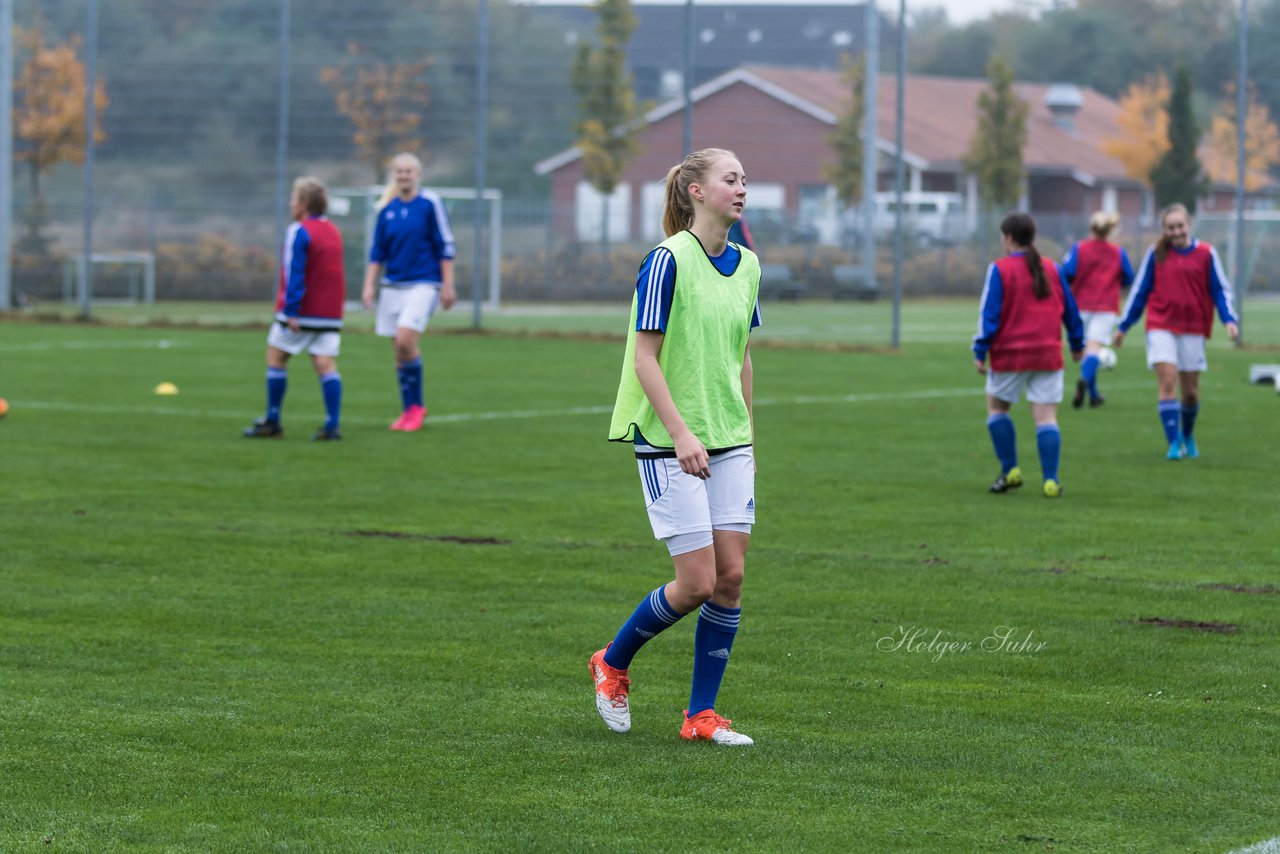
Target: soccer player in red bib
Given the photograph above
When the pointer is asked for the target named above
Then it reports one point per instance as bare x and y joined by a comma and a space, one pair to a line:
309, 306
1024, 305
1179, 283
1096, 269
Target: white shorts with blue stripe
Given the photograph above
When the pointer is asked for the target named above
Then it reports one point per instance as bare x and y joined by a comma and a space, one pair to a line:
680, 504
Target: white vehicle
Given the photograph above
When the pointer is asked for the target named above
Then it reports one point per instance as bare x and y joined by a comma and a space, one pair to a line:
927, 218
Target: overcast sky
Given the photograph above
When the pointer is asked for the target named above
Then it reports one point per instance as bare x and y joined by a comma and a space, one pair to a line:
960, 11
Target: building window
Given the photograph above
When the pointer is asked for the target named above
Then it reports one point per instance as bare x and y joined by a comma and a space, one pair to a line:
589, 212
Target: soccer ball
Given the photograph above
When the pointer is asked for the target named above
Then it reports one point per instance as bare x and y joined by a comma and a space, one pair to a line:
1107, 358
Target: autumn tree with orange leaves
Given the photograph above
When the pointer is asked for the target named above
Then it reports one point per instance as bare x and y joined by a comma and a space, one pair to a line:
1144, 121
49, 119
383, 100
1261, 141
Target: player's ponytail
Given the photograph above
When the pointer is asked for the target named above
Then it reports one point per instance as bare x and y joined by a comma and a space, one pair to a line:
1165, 243
1020, 228
677, 206
390, 190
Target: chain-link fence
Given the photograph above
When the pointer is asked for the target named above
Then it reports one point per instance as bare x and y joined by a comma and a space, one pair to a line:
211, 107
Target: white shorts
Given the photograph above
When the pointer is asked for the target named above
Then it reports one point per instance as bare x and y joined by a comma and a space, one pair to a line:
681, 504
1185, 351
409, 308
1042, 386
315, 342
1099, 326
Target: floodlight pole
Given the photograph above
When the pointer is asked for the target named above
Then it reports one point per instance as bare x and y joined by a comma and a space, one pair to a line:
6, 154
871, 62
90, 121
1242, 108
482, 153
282, 122
898, 176
687, 80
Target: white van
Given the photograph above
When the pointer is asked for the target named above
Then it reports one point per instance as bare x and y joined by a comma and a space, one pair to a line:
928, 218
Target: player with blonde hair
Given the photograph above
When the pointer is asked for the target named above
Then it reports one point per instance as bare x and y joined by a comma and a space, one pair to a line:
1179, 283
309, 304
1096, 269
684, 405
412, 256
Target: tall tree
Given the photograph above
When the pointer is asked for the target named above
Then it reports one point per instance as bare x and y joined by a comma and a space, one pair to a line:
49, 119
607, 110
1261, 141
995, 151
383, 100
1144, 123
846, 139
1177, 177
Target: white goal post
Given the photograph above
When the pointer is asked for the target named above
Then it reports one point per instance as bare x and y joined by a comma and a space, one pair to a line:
142, 275
341, 207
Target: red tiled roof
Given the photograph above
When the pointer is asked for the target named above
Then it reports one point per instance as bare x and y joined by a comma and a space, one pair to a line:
941, 118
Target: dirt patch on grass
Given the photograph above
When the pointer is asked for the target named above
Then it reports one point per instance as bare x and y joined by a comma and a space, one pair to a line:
436, 538
1192, 625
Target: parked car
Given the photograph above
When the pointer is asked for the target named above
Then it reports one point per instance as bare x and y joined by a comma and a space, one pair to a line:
773, 227
928, 218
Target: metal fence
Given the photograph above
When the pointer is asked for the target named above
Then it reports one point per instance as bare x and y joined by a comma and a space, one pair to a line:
214, 105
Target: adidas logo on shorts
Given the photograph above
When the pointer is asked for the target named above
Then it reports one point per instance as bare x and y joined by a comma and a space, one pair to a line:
751, 505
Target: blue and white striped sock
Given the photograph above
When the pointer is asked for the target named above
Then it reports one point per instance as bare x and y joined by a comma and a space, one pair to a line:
1169, 412
650, 617
1005, 440
1049, 443
331, 387
277, 385
712, 643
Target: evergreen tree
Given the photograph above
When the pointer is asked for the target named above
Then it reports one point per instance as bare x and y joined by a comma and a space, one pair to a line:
607, 109
995, 151
1177, 177
846, 140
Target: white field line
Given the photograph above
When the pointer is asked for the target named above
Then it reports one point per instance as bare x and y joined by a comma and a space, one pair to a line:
518, 414
44, 346
1269, 846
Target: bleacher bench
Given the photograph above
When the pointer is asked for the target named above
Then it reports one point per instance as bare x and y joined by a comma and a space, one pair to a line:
851, 283
776, 283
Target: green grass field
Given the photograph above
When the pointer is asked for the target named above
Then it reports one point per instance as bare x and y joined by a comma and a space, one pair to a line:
213, 644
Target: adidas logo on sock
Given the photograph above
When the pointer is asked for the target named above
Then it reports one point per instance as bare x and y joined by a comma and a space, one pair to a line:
642, 633
719, 653
751, 505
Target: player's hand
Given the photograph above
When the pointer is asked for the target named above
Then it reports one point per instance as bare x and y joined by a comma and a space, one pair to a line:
692, 456
1117, 340
1234, 331
294, 326
366, 298
1077, 355
448, 296
981, 366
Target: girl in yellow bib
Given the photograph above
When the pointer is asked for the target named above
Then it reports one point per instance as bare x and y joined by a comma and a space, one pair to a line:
684, 404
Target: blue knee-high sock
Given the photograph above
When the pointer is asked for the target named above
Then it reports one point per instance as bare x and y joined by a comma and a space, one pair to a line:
1049, 443
650, 617
1169, 411
277, 385
1089, 373
1004, 439
1189, 413
712, 643
410, 374
331, 387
